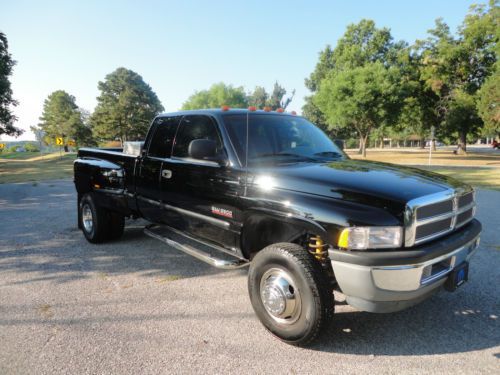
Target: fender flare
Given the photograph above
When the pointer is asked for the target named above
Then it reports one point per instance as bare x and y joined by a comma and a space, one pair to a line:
263, 227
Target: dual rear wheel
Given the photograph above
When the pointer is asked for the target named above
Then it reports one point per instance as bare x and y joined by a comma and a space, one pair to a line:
97, 223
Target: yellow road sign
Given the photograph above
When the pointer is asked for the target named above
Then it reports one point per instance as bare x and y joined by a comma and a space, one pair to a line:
59, 141
71, 143
2, 145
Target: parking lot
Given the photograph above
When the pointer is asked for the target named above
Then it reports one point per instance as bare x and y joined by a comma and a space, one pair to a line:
137, 306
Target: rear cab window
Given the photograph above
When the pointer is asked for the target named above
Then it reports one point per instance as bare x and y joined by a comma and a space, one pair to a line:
195, 127
163, 137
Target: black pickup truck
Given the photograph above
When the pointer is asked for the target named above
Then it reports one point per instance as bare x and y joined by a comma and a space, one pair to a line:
269, 190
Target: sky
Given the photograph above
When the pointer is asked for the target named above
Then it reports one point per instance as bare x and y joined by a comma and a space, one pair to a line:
184, 46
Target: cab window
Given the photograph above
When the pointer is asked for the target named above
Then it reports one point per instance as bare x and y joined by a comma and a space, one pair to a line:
163, 137
191, 128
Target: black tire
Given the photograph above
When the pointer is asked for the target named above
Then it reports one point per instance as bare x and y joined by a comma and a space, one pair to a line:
310, 286
98, 230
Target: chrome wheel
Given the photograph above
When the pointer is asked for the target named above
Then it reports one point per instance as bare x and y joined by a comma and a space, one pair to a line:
280, 296
87, 218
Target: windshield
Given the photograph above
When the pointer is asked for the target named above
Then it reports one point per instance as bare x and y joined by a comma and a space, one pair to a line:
278, 139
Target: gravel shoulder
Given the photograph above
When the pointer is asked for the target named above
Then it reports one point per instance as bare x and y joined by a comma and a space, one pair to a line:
137, 306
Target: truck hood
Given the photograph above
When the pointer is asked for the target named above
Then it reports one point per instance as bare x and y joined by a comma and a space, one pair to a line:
371, 183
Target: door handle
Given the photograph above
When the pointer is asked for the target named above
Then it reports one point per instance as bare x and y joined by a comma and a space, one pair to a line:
166, 173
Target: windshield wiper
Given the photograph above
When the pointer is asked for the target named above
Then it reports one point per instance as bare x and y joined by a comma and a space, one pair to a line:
268, 155
329, 153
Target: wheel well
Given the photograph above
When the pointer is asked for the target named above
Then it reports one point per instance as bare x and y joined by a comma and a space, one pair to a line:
260, 230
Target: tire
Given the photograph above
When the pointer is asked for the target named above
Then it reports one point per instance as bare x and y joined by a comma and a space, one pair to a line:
94, 220
295, 315
116, 225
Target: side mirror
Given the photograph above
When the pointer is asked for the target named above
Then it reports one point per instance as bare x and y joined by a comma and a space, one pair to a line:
339, 143
205, 149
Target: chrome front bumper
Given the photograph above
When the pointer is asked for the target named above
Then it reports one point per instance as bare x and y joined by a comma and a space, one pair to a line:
395, 287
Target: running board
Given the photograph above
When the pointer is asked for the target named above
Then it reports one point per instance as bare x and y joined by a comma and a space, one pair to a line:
173, 237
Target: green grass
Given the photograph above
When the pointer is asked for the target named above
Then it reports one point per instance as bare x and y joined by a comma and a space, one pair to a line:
51, 167
18, 155
487, 178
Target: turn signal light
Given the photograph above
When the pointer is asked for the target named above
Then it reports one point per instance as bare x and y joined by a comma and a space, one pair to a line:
343, 239
225, 108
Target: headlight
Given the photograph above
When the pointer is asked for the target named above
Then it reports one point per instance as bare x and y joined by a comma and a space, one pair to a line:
360, 238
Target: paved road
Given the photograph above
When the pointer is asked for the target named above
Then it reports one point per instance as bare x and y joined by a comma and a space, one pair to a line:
135, 306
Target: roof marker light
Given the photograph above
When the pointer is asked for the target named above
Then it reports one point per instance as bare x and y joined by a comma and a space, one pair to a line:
267, 109
280, 110
252, 108
225, 108
294, 113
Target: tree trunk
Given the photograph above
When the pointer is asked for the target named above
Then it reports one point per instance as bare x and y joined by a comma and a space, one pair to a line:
462, 142
363, 151
433, 145
66, 148
361, 145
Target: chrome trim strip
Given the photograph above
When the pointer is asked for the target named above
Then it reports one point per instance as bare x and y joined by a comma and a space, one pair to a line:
432, 236
436, 276
217, 222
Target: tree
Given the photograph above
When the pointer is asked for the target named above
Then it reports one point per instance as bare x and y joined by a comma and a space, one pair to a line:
277, 98
7, 118
61, 117
362, 45
420, 103
364, 98
489, 104
259, 97
216, 96
30, 147
125, 107
455, 68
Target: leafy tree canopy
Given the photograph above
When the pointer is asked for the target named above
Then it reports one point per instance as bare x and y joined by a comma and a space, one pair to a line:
455, 68
125, 107
371, 53
489, 104
61, 117
216, 96
221, 94
7, 118
363, 98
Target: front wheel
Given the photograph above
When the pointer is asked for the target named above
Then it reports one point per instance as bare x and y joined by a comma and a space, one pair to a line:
290, 293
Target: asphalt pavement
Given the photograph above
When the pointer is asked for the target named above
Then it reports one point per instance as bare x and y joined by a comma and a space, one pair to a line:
136, 306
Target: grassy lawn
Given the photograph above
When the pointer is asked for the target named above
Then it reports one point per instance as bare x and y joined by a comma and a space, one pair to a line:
18, 155
421, 157
487, 178
24, 168
473, 168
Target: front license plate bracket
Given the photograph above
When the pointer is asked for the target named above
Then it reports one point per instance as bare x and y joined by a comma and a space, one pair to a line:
457, 277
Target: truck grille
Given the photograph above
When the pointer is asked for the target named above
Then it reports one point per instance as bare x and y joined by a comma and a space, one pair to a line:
432, 216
